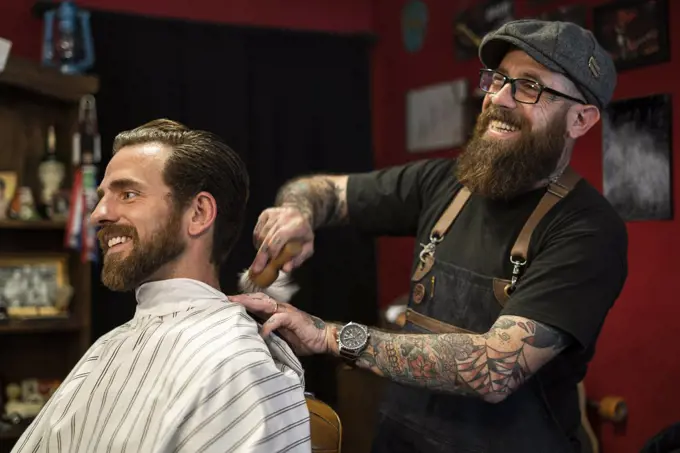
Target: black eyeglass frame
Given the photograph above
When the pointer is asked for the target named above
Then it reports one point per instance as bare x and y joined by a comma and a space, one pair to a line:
511, 81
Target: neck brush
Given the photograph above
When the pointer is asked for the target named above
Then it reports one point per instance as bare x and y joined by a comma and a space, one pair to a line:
272, 281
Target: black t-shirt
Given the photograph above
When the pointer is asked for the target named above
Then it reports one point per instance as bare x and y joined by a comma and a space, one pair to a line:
577, 256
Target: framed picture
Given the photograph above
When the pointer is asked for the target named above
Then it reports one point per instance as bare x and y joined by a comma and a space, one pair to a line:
8, 187
637, 150
571, 13
435, 116
35, 285
634, 32
470, 26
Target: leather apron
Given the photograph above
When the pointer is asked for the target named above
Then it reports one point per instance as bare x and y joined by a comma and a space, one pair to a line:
448, 298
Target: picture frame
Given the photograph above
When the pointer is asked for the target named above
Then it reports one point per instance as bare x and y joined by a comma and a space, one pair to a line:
9, 181
637, 157
35, 285
435, 116
576, 14
471, 24
634, 32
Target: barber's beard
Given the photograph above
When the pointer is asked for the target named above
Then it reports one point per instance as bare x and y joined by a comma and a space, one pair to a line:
125, 272
502, 169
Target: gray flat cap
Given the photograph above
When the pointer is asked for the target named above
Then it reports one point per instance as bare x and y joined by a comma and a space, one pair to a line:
562, 47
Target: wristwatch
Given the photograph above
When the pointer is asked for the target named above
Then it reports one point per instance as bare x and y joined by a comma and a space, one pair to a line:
352, 340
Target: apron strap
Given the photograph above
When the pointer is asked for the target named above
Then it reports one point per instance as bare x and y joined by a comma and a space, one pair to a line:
556, 191
449, 216
440, 229
519, 255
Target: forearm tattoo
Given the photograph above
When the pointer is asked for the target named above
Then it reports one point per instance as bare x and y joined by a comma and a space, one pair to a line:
489, 366
319, 198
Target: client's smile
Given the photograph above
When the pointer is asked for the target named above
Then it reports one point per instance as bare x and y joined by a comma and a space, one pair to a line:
114, 241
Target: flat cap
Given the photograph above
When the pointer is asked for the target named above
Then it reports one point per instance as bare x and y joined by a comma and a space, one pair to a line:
563, 47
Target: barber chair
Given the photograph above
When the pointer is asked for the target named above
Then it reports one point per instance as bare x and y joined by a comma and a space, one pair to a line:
325, 426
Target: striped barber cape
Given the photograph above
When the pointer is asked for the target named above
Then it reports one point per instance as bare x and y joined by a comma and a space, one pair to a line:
189, 373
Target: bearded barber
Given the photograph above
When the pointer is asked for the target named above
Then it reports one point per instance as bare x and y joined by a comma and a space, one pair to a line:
517, 260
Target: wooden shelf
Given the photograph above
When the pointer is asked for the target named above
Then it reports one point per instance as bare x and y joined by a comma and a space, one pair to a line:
38, 325
33, 224
31, 98
30, 75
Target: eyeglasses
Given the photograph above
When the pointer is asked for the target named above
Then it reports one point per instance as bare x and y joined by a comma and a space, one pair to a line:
525, 91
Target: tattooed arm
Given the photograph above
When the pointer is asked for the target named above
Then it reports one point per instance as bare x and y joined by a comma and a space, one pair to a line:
302, 206
322, 198
489, 366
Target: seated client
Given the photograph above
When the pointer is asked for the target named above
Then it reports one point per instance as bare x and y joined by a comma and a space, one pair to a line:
190, 371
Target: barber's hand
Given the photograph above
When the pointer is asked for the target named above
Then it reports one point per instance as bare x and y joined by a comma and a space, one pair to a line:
276, 227
306, 334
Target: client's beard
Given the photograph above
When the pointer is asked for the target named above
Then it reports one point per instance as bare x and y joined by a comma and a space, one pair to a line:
145, 258
502, 169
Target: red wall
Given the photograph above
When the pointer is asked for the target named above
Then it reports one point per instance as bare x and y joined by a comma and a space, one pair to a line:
638, 353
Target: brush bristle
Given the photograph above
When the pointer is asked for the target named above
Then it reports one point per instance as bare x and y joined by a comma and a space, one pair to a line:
283, 289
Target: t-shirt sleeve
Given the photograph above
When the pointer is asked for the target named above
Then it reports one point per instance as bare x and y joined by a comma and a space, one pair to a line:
246, 404
389, 201
574, 280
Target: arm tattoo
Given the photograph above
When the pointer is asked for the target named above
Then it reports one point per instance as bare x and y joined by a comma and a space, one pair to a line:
319, 198
488, 366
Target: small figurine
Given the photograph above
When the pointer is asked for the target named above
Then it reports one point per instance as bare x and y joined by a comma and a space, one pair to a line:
16, 407
23, 205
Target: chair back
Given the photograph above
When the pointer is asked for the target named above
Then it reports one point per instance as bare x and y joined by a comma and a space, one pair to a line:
325, 426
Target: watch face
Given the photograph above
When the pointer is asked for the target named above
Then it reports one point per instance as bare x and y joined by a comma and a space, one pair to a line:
352, 337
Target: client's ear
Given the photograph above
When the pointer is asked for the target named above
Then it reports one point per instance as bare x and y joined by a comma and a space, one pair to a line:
202, 213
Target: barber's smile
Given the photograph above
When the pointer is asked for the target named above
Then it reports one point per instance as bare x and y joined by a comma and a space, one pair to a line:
502, 129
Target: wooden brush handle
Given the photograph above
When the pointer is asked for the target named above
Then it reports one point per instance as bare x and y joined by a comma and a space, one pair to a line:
271, 271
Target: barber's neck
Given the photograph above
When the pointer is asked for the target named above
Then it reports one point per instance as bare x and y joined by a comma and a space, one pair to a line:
559, 168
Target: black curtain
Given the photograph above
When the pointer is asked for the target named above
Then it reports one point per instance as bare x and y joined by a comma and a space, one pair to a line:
289, 102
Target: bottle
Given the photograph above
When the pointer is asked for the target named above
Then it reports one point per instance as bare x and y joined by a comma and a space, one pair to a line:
51, 173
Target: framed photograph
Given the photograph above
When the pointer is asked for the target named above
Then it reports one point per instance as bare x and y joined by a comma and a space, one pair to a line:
35, 285
470, 26
637, 150
634, 32
435, 116
572, 13
8, 187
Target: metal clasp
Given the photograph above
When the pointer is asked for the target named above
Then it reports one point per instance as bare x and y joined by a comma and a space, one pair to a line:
517, 264
428, 249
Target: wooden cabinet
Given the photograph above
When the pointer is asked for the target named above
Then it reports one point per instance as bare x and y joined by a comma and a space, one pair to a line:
33, 98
